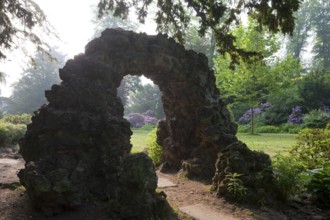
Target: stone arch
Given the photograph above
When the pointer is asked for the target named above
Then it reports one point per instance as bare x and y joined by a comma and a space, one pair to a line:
197, 122
78, 145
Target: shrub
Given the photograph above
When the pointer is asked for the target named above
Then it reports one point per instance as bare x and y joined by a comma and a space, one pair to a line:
312, 147
287, 172
296, 116
11, 133
268, 129
137, 120
319, 185
247, 115
291, 128
148, 127
244, 128
316, 119
155, 151
17, 119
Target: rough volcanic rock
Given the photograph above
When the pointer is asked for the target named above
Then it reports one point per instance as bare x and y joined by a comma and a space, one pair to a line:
254, 168
78, 145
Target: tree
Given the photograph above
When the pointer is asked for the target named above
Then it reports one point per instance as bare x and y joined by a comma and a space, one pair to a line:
314, 89
312, 21
149, 98
217, 16
320, 20
110, 21
18, 20
201, 44
251, 82
283, 101
129, 86
28, 93
298, 40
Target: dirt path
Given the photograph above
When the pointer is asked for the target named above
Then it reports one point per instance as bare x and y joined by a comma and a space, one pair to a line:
188, 193
185, 196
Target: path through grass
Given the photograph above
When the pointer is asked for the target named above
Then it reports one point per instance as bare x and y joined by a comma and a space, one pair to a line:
268, 143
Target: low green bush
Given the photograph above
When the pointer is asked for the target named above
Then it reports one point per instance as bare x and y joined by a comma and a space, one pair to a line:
291, 128
288, 128
319, 185
268, 129
244, 128
316, 119
11, 133
154, 150
17, 119
148, 127
287, 173
312, 147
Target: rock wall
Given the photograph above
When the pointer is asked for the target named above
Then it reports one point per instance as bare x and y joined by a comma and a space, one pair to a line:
78, 145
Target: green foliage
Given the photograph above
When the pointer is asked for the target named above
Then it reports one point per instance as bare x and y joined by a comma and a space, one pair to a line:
282, 102
320, 17
155, 151
13, 128
287, 171
314, 90
316, 119
17, 119
201, 44
290, 128
235, 185
11, 133
312, 19
268, 129
287, 128
29, 91
218, 16
18, 18
244, 128
252, 81
129, 85
303, 24
148, 98
319, 185
148, 127
312, 147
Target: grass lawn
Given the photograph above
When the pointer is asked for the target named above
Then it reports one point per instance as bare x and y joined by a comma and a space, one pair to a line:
268, 143
138, 140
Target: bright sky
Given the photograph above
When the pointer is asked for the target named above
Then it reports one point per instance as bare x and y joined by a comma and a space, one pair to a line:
72, 20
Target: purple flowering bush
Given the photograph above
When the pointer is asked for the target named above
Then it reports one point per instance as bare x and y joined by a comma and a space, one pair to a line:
256, 111
149, 113
296, 116
265, 105
138, 120
247, 115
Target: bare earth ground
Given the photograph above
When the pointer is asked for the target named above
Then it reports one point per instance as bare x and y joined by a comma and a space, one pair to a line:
15, 205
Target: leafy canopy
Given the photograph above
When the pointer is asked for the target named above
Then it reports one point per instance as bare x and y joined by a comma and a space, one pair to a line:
219, 16
28, 91
253, 81
18, 18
